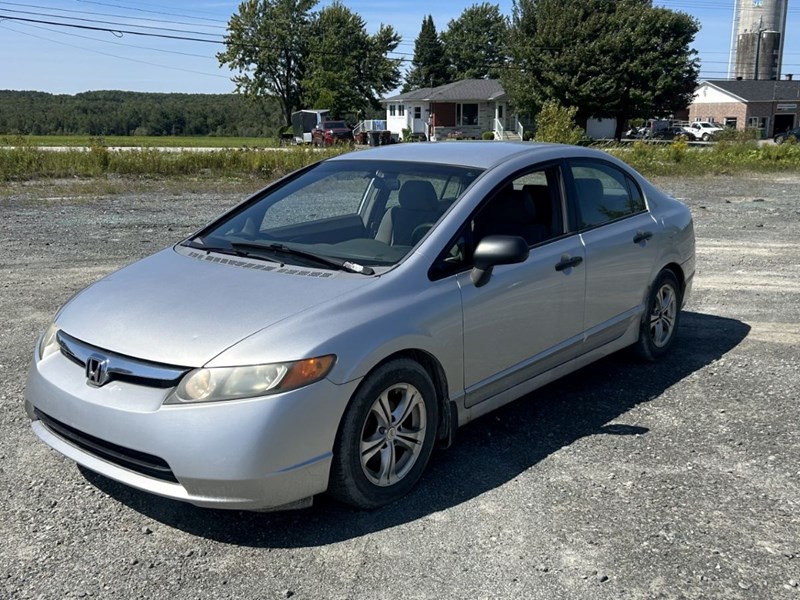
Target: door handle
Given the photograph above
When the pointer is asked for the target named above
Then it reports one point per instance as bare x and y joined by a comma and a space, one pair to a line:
642, 236
568, 263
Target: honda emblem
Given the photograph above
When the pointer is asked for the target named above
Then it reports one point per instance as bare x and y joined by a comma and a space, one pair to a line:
96, 371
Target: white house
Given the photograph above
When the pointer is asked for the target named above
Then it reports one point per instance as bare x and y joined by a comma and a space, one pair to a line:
462, 109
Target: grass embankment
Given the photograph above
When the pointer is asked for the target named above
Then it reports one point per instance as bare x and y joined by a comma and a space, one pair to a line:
137, 141
23, 163
724, 157
28, 162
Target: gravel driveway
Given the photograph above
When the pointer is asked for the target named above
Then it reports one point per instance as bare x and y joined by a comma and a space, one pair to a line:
626, 480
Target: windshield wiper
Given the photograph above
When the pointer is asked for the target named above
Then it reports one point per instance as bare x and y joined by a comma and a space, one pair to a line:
241, 253
336, 263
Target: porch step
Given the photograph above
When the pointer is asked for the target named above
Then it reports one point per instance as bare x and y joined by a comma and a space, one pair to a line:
511, 136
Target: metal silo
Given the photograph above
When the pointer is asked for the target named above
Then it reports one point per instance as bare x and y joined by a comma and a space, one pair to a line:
757, 39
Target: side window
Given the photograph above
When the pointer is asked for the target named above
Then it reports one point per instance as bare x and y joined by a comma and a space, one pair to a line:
529, 206
604, 193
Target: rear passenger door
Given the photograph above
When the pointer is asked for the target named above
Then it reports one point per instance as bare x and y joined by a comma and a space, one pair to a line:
618, 234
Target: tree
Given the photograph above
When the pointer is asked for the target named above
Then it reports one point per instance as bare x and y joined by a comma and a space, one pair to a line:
347, 70
623, 59
474, 44
428, 67
266, 46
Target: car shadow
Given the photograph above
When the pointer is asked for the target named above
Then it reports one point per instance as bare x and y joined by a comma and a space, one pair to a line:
487, 454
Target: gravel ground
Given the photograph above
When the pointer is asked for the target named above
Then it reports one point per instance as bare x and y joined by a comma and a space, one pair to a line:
676, 480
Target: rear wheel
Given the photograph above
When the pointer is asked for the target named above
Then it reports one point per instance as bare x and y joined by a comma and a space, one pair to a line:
706, 137
660, 322
386, 436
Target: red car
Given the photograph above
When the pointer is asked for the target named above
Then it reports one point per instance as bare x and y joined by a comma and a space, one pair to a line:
331, 132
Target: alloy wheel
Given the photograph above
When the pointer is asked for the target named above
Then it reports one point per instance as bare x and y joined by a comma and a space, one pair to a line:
393, 434
662, 315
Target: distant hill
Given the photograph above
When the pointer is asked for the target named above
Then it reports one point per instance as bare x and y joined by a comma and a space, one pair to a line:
135, 113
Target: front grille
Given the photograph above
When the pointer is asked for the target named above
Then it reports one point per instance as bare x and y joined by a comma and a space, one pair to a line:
113, 366
133, 460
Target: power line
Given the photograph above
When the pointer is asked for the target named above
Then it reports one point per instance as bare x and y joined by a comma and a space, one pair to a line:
114, 55
97, 14
152, 12
115, 31
94, 39
84, 20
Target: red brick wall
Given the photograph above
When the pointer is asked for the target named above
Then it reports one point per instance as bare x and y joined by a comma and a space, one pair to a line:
719, 112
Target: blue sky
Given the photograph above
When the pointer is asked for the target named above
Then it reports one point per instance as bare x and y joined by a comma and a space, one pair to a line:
37, 56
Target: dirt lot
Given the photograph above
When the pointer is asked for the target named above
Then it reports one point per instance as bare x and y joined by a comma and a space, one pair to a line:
677, 480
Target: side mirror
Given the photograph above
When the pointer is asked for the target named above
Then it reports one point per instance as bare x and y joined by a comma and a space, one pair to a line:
497, 250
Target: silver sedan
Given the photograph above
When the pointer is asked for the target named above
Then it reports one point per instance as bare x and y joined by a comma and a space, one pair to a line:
327, 333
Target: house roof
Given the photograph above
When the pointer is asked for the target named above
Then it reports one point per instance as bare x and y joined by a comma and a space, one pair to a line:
758, 90
466, 89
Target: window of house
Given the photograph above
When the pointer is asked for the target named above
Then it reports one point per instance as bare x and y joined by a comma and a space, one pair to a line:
417, 112
392, 110
401, 110
466, 114
500, 112
757, 122
730, 122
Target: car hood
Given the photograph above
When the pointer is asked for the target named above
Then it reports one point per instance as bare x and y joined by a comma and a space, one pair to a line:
184, 307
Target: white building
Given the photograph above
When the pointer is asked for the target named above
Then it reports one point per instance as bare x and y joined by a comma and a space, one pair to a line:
462, 109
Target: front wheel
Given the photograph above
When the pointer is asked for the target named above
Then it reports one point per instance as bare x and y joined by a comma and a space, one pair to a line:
386, 436
660, 322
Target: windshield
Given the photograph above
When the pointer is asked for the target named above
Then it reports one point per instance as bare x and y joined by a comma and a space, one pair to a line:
352, 213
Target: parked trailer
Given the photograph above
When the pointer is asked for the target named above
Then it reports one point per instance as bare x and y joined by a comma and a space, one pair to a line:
304, 122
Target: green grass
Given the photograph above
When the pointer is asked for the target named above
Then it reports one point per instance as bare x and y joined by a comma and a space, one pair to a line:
26, 162
725, 157
138, 141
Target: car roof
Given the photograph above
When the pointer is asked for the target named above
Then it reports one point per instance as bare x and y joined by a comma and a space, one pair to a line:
479, 154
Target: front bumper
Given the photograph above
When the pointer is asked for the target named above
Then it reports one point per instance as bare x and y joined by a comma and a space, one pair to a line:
252, 454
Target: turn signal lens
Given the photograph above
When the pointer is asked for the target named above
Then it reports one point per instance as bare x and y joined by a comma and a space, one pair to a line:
307, 371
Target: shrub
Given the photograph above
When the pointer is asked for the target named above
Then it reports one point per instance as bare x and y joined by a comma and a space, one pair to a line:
556, 123
487, 135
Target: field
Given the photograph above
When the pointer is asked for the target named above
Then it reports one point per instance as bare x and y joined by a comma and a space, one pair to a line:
23, 159
133, 141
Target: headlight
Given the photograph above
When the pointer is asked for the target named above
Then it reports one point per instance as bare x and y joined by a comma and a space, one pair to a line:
231, 383
48, 344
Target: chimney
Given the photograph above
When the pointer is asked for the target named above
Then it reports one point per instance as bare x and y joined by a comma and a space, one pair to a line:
789, 76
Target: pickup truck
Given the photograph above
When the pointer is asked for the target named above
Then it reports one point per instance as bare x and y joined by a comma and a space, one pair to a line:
328, 133
702, 130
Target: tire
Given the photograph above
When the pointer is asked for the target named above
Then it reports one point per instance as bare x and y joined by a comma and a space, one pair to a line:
660, 322
779, 139
706, 137
386, 436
